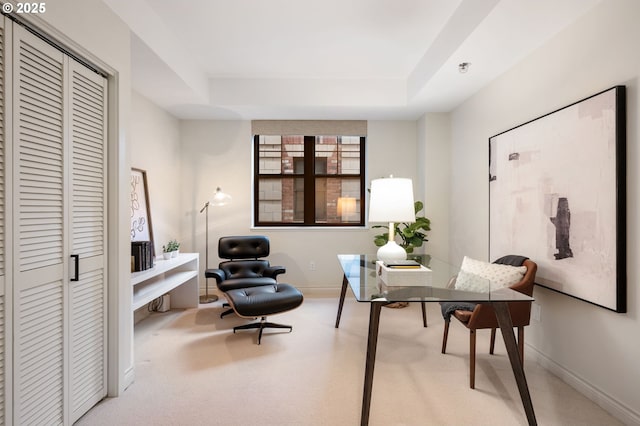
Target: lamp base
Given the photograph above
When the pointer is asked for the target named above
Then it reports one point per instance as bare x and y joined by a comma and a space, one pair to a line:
391, 251
208, 299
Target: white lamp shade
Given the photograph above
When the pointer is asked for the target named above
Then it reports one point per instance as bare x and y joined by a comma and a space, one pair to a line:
391, 200
220, 198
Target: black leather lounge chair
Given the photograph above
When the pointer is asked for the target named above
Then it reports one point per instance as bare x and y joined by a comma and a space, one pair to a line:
249, 282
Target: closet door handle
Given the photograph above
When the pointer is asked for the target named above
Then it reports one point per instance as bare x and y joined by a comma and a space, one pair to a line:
76, 268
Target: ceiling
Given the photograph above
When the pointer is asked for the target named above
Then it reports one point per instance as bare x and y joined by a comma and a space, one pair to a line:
329, 59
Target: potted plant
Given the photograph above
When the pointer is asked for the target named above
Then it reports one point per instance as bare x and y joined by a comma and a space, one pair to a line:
413, 235
171, 249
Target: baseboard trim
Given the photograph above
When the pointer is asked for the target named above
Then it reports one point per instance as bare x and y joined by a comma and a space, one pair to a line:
322, 292
612, 406
129, 377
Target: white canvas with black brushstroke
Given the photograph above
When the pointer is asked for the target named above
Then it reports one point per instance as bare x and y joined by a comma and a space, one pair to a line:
552, 198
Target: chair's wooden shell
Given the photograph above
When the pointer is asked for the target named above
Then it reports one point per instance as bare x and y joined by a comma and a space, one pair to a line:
483, 317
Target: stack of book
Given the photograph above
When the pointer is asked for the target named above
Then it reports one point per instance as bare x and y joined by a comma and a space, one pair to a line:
402, 264
141, 255
403, 273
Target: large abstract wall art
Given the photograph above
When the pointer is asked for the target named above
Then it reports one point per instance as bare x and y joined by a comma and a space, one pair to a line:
557, 193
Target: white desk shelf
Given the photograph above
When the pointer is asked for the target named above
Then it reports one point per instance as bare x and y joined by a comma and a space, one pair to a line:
177, 276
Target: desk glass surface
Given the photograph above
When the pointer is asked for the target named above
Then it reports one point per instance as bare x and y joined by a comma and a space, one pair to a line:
360, 271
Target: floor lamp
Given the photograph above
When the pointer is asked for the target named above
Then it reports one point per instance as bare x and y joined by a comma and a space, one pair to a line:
219, 199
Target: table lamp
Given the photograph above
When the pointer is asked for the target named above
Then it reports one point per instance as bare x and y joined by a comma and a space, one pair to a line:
391, 201
219, 199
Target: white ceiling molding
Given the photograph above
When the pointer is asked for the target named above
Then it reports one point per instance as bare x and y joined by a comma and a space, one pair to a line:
310, 92
360, 59
157, 49
458, 28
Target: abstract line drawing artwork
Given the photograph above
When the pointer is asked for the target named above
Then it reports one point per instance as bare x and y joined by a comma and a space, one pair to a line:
140, 217
557, 193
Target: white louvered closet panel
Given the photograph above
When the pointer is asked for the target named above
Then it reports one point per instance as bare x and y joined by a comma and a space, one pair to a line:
59, 205
39, 222
2, 360
3, 324
88, 310
2, 155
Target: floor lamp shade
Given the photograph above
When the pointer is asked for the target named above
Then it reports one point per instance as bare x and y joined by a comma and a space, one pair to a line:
220, 198
391, 201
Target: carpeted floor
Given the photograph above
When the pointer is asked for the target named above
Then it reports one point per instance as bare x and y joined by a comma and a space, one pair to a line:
192, 370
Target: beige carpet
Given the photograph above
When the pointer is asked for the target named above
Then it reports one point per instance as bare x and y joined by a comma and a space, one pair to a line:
192, 370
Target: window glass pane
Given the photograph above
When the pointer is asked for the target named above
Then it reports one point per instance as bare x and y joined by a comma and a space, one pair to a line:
338, 200
293, 154
298, 201
281, 200
269, 151
326, 155
340, 154
349, 150
321, 166
279, 155
321, 200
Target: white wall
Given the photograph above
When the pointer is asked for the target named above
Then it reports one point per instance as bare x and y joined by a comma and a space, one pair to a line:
592, 348
218, 153
155, 148
434, 179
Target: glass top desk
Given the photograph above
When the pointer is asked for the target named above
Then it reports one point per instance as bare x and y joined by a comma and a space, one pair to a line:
359, 273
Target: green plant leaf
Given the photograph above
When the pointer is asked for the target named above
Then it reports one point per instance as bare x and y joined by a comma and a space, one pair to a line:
380, 240
412, 234
407, 232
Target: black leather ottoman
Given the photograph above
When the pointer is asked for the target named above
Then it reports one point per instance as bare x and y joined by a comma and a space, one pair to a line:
261, 301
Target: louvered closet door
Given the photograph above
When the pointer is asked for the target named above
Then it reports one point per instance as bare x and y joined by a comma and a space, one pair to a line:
59, 211
3, 242
88, 310
40, 262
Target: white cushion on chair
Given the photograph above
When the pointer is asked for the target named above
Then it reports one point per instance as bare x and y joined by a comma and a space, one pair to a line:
474, 274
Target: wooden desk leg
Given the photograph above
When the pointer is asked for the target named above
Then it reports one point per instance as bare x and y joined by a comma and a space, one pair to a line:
345, 283
506, 326
424, 313
372, 343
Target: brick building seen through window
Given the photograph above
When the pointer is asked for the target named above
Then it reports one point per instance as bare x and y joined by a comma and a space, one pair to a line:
308, 180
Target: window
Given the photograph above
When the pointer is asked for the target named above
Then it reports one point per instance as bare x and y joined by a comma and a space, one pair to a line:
308, 180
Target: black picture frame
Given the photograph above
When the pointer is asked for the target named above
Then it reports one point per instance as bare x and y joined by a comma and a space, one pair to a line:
557, 193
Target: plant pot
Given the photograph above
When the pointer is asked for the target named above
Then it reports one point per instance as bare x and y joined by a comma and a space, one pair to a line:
397, 305
166, 255
175, 253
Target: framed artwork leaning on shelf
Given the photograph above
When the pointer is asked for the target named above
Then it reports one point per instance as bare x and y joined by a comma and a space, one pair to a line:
141, 229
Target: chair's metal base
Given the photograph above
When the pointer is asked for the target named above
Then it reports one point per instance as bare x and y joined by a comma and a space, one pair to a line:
261, 325
228, 311
208, 299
